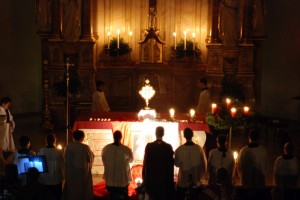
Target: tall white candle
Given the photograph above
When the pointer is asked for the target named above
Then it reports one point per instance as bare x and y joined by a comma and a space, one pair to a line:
184, 45
194, 41
174, 40
118, 42
130, 34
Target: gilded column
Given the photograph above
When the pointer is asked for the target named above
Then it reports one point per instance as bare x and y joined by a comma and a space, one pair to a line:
86, 20
56, 20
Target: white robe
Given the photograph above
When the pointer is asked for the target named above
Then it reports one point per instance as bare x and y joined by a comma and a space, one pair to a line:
203, 106
99, 103
6, 130
286, 171
78, 177
190, 159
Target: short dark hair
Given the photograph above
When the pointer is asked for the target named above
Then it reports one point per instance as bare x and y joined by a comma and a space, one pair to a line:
253, 135
160, 131
117, 135
99, 83
78, 135
24, 140
203, 80
289, 147
51, 139
221, 139
5, 100
32, 175
188, 133
222, 175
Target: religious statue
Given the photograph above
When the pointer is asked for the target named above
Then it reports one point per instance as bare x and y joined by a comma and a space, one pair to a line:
258, 17
152, 18
43, 15
71, 19
229, 15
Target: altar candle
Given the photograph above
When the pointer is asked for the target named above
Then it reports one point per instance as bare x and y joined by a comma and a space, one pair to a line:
235, 155
118, 41
172, 112
130, 34
108, 37
194, 41
233, 112
246, 110
228, 102
184, 44
213, 108
174, 40
59, 146
192, 113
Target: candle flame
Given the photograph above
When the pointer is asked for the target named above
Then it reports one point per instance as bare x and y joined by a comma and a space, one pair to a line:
174, 33
172, 112
130, 33
192, 112
228, 100
194, 35
59, 146
235, 155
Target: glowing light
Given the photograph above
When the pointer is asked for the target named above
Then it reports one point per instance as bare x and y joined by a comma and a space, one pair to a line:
59, 146
233, 112
130, 33
235, 155
246, 110
147, 92
172, 112
192, 113
228, 102
213, 108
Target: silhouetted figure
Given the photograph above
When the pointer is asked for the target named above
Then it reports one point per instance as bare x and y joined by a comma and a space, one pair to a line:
99, 103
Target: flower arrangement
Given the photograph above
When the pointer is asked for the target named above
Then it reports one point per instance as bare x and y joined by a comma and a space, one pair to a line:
113, 49
189, 52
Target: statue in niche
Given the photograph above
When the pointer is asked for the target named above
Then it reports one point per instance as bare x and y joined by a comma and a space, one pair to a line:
71, 19
43, 15
152, 14
229, 27
258, 17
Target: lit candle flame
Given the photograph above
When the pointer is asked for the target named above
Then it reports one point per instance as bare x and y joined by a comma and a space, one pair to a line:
192, 112
233, 112
59, 146
130, 33
235, 155
172, 112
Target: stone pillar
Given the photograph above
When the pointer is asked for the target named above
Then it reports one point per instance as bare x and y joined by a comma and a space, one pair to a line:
215, 13
86, 20
246, 21
56, 20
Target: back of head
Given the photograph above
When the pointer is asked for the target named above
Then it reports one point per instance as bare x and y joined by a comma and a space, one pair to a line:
32, 175
160, 131
222, 176
221, 140
188, 133
5, 100
203, 81
51, 138
288, 148
253, 135
99, 83
78, 135
117, 136
24, 141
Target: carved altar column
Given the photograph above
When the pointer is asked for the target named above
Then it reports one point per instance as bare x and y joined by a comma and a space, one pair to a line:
246, 21
86, 20
214, 26
46, 125
56, 19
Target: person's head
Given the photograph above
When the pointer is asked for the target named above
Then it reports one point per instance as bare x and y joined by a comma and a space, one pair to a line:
78, 135
202, 82
159, 132
117, 137
221, 141
253, 136
99, 84
24, 142
222, 176
188, 134
51, 140
32, 175
288, 148
5, 102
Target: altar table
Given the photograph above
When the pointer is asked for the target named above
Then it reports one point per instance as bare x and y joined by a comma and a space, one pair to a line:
98, 129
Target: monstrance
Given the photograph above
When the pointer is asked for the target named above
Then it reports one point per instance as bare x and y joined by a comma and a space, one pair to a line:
147, 92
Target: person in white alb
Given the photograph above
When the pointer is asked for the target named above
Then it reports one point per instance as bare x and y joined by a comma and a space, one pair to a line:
116, 158
203, 106
7, 126
286, 168
252, 163
78, 164
53, 178
220, 157
99, 103
191, 160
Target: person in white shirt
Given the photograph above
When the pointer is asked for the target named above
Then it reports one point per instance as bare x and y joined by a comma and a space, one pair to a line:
78, 165
220, 158
99, 103
53, 178
253, 162
203, 106
286, 168
116, 158
191, 160
7, 126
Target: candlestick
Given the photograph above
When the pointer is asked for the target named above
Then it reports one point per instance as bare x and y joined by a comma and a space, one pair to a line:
246, 110
192, 113
118, 43
194, 41
184, 46
233, 112
213, 108
174, 40
228, 102
108, 37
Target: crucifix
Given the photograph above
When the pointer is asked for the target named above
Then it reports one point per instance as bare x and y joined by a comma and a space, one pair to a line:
68, 65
